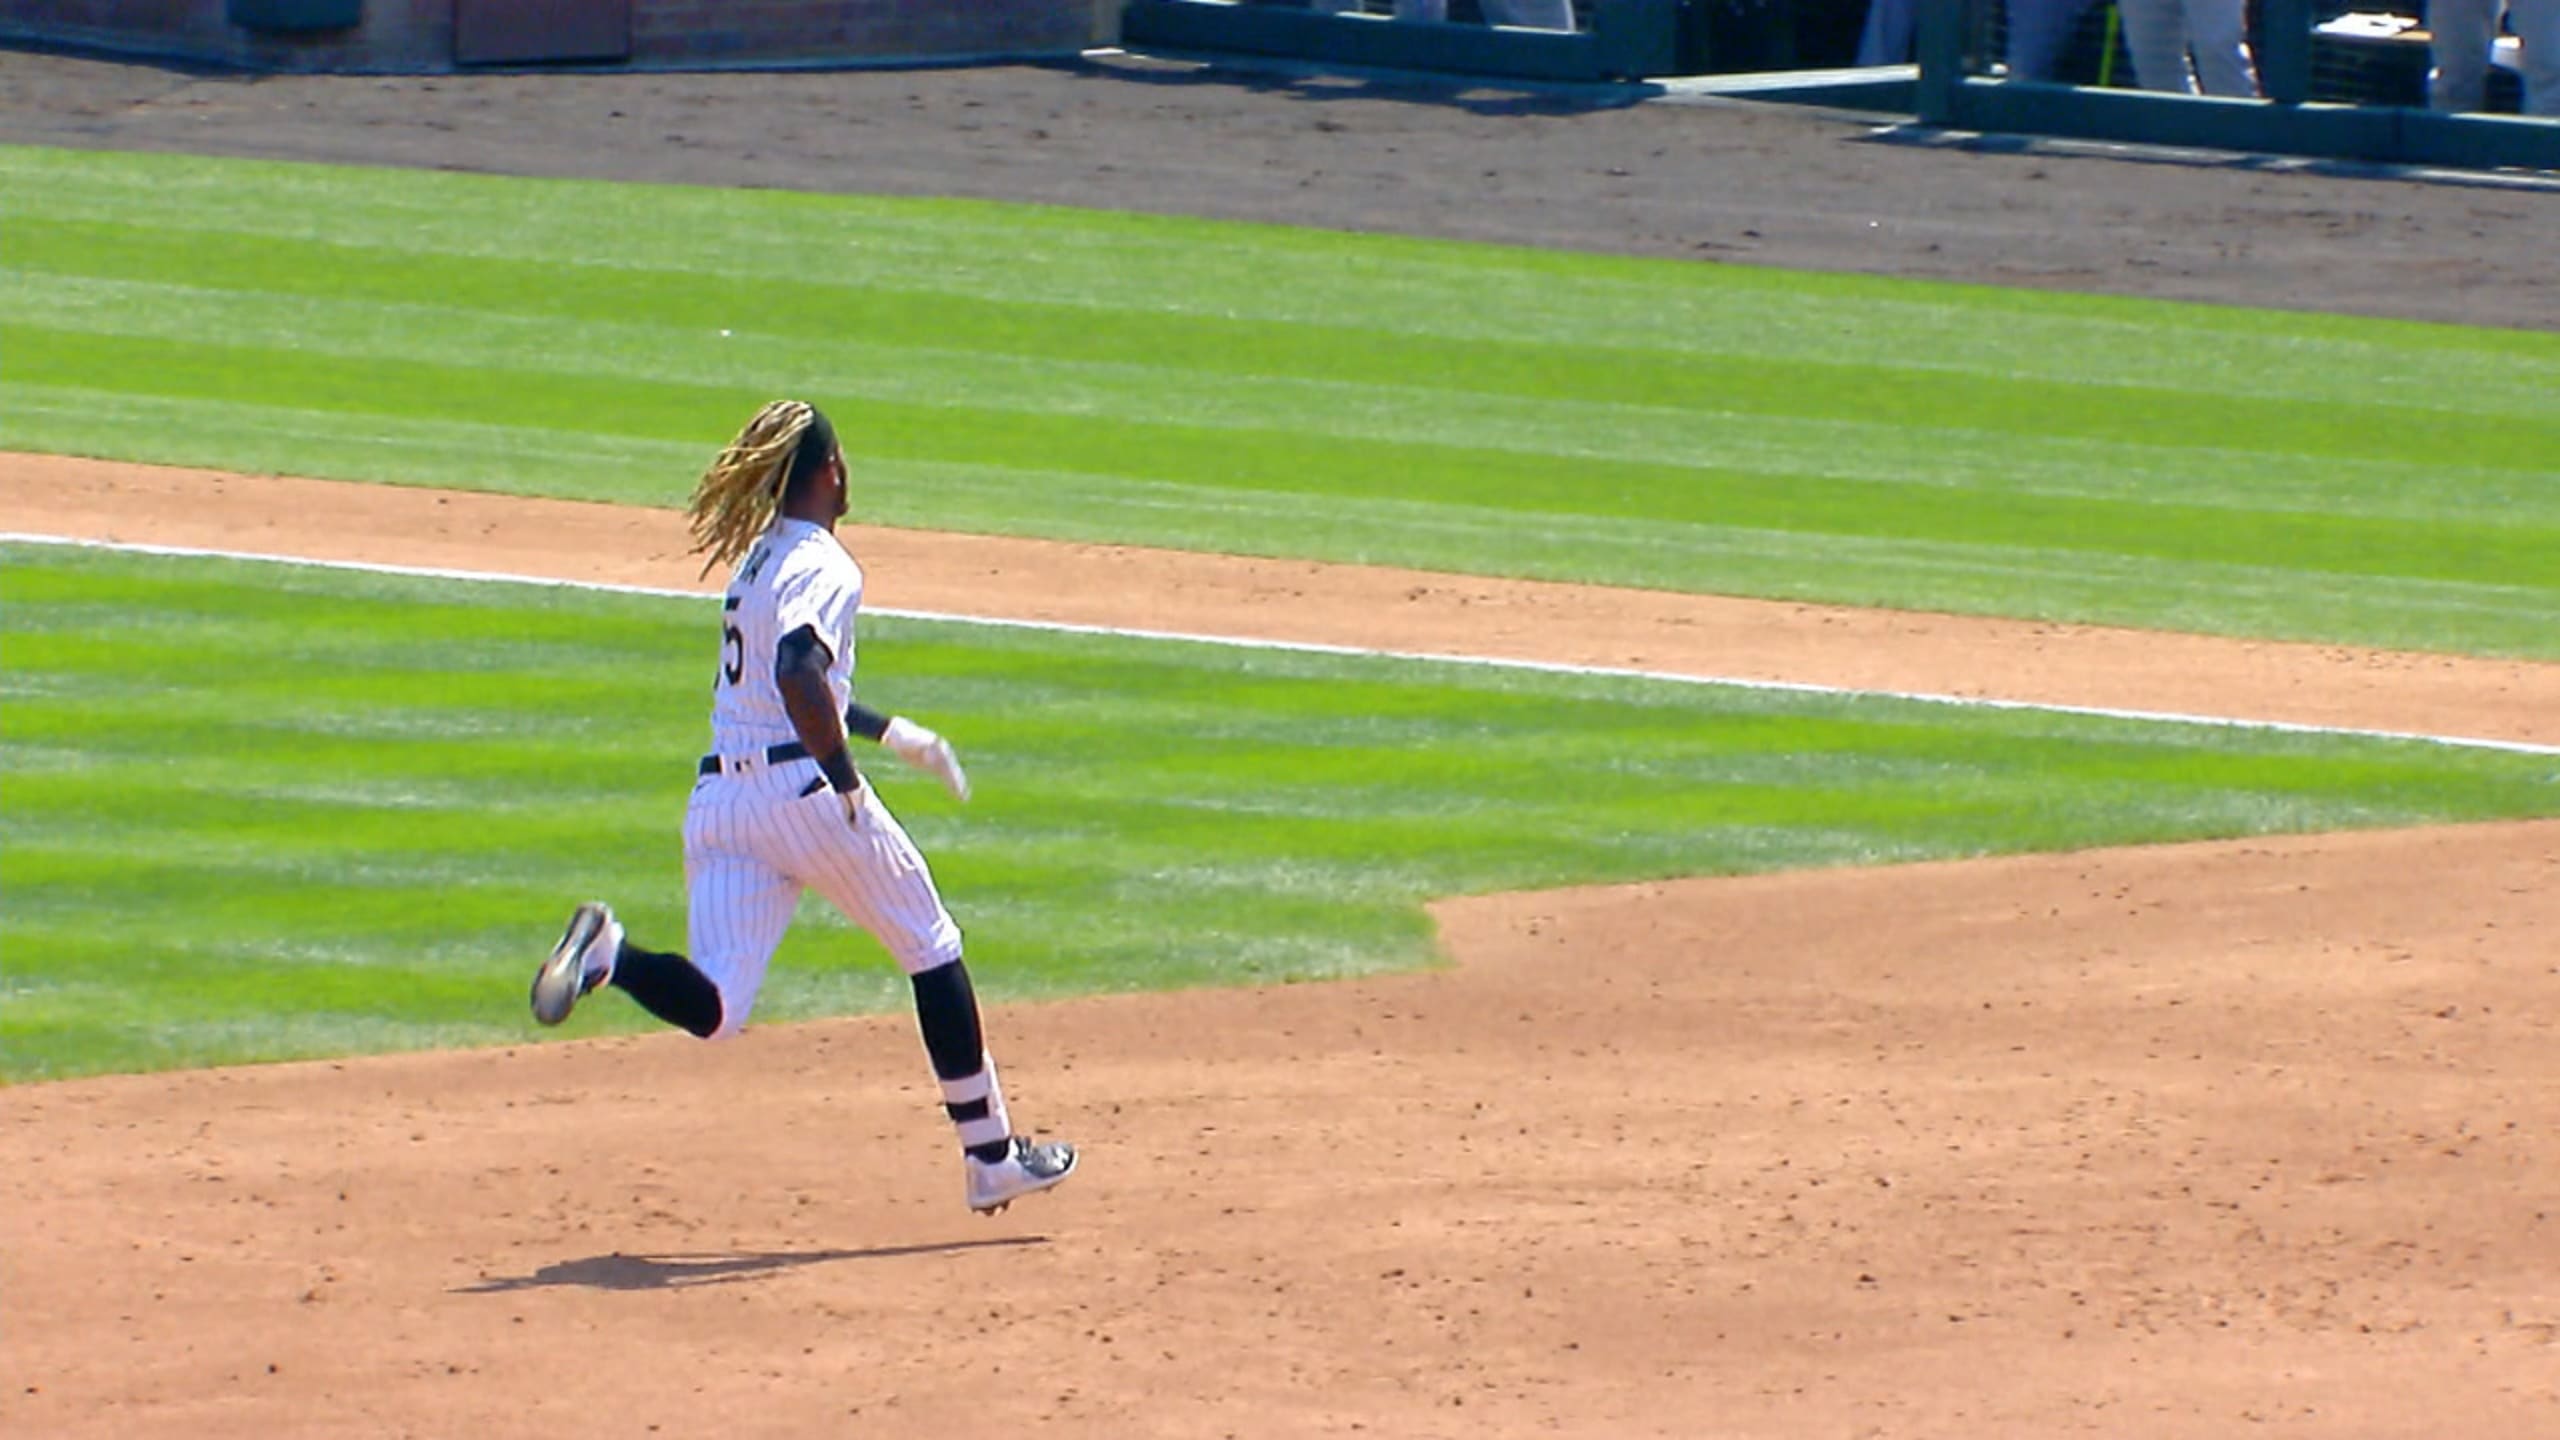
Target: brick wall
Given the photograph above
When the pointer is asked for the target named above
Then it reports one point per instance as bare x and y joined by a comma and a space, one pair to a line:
416, 36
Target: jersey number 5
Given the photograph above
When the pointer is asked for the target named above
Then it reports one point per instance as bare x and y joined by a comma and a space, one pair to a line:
733, 646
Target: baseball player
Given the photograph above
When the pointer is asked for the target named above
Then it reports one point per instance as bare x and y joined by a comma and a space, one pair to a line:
779, 806
2181, 46
2462, 33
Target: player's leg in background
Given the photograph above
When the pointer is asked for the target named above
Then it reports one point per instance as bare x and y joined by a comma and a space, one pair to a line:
1889, 32
736, 911
668, 986
2038, 32
582, 960
2155, 34
2462, 30
595, 952
2218, 31
737, 906
2537, 27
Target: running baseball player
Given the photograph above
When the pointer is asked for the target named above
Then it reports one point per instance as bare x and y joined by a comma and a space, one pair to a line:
779, 805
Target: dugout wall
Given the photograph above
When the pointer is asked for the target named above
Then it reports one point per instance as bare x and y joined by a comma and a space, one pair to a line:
1964, 85
2335, 82
430, 36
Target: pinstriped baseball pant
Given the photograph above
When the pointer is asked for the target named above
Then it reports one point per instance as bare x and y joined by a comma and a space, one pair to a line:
753, 841
2464, 31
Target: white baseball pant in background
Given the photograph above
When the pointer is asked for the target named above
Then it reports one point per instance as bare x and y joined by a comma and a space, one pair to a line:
2465, 29
2160, 34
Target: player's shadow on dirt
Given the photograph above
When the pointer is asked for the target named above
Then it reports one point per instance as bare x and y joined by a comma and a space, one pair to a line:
670, 1272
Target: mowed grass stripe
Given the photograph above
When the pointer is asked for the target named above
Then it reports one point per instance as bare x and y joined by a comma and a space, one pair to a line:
1603, 427
1439, 657
1045, 255
1343, 352
1321, 468
1287, 393
2259, 596
378, 867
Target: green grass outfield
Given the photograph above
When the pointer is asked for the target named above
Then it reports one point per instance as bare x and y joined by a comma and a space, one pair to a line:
1257, 389
258, 811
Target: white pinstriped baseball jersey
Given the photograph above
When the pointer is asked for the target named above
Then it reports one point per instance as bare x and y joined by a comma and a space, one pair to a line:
795, 575
757, 834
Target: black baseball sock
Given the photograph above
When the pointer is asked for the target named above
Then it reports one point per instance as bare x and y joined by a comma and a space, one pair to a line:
669, 987
947, 1014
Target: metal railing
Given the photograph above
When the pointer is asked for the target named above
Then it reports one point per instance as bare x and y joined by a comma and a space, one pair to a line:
1962, 86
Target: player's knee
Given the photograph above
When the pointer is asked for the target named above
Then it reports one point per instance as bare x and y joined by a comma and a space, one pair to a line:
919, 962
928, 948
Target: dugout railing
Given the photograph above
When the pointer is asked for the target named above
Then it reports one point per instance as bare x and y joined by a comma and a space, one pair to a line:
2338, 79
1612, 40
2328, 91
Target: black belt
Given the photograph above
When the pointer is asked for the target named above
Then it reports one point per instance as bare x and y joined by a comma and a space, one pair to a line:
782, 754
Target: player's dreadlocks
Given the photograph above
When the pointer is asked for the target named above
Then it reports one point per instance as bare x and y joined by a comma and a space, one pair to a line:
737, 495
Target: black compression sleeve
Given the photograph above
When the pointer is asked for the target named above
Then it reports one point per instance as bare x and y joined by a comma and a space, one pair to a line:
862, 720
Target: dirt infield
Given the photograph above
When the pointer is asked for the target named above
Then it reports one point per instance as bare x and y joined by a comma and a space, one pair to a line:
2250, 1138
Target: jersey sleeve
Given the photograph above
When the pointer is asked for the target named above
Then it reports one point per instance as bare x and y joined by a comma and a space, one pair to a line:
823, 597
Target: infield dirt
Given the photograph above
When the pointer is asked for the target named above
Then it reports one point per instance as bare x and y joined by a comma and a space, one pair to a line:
2176, 1142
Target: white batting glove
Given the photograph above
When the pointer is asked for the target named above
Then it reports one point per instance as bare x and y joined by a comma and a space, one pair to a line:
928, 752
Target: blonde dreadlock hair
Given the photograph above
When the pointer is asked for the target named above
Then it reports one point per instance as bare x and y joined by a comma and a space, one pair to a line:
738, 494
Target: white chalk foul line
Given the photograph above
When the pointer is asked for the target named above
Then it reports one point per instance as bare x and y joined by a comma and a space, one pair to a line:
1551, 667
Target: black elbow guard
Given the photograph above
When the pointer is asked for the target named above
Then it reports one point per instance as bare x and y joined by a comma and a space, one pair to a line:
799, 650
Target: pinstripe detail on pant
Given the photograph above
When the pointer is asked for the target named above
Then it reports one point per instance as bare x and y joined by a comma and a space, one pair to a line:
753, 841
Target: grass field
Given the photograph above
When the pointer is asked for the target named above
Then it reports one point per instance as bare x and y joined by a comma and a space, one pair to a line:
1263, 390
258, 811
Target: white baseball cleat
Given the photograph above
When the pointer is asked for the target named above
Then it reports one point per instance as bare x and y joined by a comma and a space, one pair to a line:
1027, 1169
581, 961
